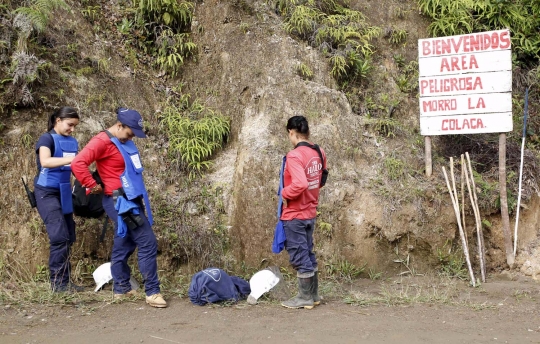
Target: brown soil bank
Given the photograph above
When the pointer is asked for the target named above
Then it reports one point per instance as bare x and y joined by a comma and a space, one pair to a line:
378, 210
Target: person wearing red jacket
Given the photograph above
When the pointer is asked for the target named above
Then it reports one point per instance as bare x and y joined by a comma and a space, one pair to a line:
125, 200
302, 182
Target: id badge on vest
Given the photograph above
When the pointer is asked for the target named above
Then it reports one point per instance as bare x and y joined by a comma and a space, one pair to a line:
136, 160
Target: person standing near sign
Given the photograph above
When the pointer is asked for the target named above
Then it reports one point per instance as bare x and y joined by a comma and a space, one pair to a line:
125, 201
305, 172
55, 150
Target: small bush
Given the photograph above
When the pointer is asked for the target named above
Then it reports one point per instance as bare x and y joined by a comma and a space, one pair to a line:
195, 133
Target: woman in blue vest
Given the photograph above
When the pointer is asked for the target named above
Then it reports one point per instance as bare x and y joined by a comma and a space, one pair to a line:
52, 186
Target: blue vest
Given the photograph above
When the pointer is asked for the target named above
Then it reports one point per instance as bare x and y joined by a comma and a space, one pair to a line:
131, 178
60, 177
52, 177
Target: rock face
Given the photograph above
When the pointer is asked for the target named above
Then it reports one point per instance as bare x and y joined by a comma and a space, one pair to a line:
249, 72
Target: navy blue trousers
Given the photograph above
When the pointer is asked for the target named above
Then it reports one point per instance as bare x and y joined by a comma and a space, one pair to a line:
299, 245
61, 231
144, 239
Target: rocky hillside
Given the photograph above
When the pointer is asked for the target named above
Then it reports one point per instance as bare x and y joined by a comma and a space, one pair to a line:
243, 62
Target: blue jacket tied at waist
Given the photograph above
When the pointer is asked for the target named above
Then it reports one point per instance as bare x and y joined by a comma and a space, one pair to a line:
279, 233
131, 178
123, 206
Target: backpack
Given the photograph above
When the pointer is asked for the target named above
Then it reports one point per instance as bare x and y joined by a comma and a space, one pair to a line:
84, 205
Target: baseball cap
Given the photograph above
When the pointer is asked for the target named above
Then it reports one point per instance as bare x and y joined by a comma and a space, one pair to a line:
132, 119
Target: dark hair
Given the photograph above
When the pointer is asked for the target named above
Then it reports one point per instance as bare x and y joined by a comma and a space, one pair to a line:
62, 113
300, 124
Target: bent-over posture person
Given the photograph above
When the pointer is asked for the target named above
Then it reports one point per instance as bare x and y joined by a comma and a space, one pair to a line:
125, 200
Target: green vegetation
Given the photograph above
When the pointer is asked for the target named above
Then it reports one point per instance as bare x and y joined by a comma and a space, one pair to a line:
38, 14
522, 17
161, 29
195, 133
451, 262
304, 71
341, 33
342, 268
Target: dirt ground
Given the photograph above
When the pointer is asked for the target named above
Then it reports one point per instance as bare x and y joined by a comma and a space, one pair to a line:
504, 310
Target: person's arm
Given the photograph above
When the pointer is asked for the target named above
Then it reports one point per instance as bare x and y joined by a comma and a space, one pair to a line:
48, 161
80, 166
299, 181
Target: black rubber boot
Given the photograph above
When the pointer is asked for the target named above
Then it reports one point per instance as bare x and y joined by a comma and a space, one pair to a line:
303, 299
315, 289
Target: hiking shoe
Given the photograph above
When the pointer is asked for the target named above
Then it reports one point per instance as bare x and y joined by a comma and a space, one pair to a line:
68, 288
129, 294
156, 300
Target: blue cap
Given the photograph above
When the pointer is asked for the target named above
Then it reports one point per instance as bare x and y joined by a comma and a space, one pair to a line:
132, 119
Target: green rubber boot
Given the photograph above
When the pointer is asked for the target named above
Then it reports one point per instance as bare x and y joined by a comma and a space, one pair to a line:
303, 299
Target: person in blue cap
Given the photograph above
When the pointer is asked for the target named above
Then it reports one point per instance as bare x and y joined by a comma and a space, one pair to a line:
55, 150
125, 201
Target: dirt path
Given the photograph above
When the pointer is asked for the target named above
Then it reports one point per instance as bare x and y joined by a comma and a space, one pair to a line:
499, 312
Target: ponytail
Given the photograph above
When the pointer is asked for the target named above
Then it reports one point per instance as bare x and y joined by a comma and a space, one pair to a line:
62, 113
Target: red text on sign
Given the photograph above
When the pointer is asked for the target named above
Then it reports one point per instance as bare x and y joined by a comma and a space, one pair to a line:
452, 84
454, 63
455, 124
439, 105
466, 43
479, 104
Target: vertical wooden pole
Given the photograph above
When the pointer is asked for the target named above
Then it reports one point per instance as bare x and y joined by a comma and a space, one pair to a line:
461, 233
429, 168
479, 233
463, 197
504, 201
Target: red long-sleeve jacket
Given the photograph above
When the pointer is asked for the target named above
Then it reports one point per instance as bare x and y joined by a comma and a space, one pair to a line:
302, 178
109, 163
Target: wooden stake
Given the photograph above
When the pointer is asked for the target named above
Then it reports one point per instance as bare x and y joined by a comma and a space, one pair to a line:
462, 235
463, 171
476, 210
504, 201
427, 144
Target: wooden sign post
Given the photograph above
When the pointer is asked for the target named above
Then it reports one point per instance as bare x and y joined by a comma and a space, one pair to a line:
465, 85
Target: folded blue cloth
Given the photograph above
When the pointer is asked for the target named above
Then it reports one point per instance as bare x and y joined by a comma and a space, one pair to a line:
122, 206
213, 285
279, 233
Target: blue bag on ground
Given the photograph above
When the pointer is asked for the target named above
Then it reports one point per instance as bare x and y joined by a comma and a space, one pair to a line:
214, 285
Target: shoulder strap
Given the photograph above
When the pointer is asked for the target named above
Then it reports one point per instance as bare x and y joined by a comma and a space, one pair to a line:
108, 134
315, 147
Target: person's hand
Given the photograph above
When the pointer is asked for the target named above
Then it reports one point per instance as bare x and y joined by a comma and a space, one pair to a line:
96, 189
284, 202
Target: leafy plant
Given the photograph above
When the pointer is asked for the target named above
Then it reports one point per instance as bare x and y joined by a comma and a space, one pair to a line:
452, 263
173, 48
304, 71
244, 27
395, 168
125, 26
339, 32
40, 11
91, 12
172, 13
398, 36
344, 269
325, 228
195, 133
